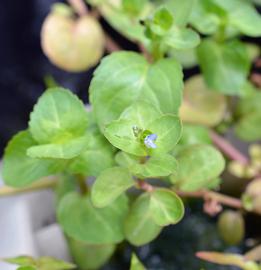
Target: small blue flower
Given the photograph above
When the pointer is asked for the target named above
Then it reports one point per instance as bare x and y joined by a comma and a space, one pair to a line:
149, 141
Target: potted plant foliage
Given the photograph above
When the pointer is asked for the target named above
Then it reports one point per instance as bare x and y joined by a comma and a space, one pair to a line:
125, 169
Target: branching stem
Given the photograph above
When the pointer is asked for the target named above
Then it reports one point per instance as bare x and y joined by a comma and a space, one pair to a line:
228, 149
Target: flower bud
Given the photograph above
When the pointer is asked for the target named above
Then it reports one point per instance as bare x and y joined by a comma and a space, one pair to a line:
72, 44
231, 227
255, 151
237, 169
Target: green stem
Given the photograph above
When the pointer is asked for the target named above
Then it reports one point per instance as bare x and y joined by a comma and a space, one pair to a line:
82, 184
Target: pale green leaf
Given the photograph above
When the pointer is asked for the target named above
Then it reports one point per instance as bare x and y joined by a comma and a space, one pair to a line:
182, 38
125, 23
156, 166
140, 227
186, 58
67, 150
21, 260
242, 15
49, 263
180, 9
20, 170
194, 134
97, 156
27, 268
42, 263
199, 165
248, 127
126, 160
82, 221
201, 18
201, 105
90, 256
58, 117
123, 78
166, 207
109, 185
167, 128
136, 264
225, 66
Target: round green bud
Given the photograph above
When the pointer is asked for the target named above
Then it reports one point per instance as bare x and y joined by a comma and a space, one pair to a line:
251, 266
237, 169
255, 151
231, 227
72, 44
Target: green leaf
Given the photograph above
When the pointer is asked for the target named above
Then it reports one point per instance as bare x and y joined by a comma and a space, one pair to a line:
58, 117
21, 260
42, 263
198, 166
166, 207
248, 127
187, 58
97, 156
134, 7
161, 22
182, 38
202, 19
80, 220
90, 256
135, 263
49, 263
249, 104
195, 134
248, 111
167, 128
132, 79
180, 9
155, 166
27, 268
109, 185
225, 66
201, 105
242, 15
20, 170
66, 150
140, 227
122, 20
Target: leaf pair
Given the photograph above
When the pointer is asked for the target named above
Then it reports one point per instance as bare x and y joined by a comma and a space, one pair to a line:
163, 29
237, 15
152, 167
146, 118
149, 213
124, 78
57, 137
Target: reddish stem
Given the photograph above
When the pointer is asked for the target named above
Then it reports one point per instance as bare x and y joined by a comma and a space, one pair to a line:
228, 149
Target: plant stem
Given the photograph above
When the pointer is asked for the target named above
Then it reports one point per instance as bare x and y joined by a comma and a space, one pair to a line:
211, 195
82, 184
142, 184
44, 183
228, 149
111, 45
